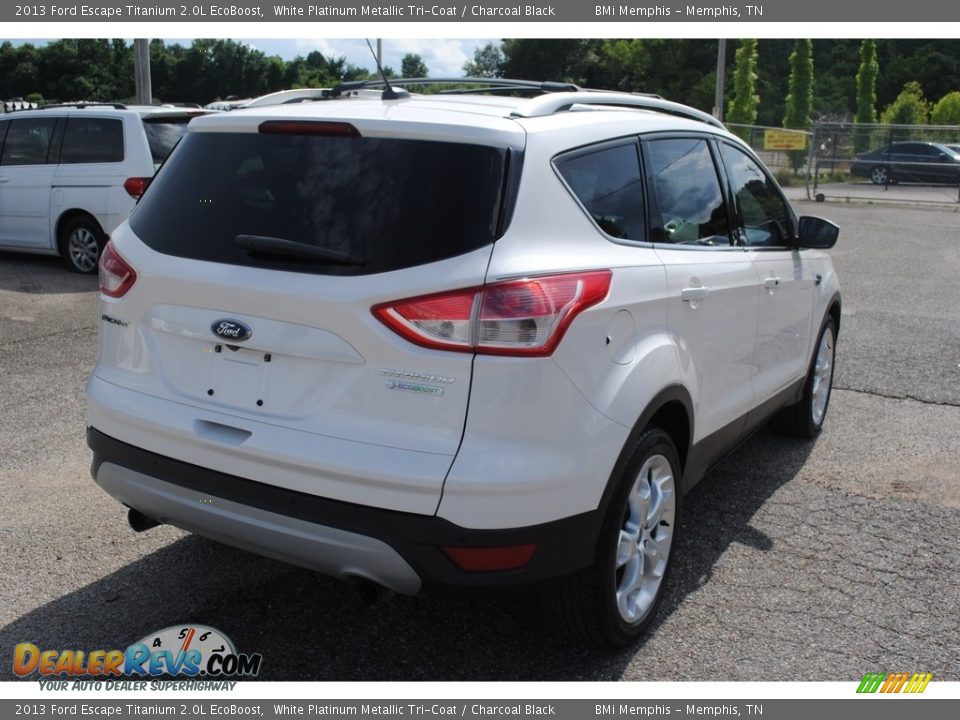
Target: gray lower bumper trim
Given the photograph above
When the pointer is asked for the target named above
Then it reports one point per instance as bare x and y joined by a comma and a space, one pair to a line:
325, 549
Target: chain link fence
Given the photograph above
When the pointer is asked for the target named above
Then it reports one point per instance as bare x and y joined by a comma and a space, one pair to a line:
889, 163
917, 164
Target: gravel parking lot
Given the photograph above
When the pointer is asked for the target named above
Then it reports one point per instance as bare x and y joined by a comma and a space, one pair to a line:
797, 561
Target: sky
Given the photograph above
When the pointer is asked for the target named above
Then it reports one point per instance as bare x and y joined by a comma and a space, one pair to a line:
443, 58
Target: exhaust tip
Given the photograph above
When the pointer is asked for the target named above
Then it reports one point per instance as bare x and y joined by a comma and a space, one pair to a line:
139, 522
369, 592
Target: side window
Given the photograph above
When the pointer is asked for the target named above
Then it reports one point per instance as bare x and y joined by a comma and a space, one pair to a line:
692, 211
3, 132
28, 141
92, 140
765, 214
607, 183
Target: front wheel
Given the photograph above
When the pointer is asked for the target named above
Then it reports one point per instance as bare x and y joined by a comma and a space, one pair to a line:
805, 418
880, 175
612, 602
81, 242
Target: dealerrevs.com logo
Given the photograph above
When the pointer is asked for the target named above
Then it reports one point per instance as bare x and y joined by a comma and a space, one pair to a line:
180, 650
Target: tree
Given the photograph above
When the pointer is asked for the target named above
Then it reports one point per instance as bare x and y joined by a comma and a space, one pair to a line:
800, 95
487, 62
910, 107
947, 110
743, 107
412, 66
866, 94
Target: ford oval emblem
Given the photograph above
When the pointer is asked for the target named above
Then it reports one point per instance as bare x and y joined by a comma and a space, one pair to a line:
233, 330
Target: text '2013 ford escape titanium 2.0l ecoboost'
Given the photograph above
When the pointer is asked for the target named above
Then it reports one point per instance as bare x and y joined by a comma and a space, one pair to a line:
456, 340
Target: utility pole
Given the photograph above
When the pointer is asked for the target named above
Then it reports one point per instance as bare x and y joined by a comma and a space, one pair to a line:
380, 58
721, 71
141, 70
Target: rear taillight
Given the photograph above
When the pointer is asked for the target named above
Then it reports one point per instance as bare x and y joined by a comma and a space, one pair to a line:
116, 275
136, 186
515, 317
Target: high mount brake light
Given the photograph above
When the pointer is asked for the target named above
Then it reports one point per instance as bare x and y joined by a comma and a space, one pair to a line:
525, 317
308, 127
116, 274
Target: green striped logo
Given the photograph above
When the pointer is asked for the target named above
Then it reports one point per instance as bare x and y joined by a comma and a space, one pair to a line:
894, 682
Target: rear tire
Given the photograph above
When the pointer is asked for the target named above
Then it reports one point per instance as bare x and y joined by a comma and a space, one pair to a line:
81, 242
804, 419
611, 603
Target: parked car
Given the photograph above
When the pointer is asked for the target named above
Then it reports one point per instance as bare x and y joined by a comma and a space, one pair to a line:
925, 162
70, 174
458, 341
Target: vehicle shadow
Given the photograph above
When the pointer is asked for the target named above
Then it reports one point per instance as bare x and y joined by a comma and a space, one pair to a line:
41, 274
308, 627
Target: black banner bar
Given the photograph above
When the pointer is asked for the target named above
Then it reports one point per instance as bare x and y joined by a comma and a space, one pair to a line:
497, 11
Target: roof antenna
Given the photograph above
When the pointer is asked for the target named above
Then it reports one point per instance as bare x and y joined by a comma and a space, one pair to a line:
389, 93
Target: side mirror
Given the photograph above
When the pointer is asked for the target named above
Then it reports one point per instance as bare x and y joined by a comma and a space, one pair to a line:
817, 233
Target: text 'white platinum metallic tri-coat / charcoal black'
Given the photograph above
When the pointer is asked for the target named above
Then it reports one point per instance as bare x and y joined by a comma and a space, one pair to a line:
457, 341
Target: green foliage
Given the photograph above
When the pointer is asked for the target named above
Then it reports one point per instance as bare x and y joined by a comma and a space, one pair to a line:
742, 109
412, 66
682, 70
206, 70
910, 107
487, 62
947, 110
799, 103
866, 95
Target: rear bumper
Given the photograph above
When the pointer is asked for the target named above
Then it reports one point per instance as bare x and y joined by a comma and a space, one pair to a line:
396, 549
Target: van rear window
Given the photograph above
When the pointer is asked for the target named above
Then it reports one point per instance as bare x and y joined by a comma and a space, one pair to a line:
385, 203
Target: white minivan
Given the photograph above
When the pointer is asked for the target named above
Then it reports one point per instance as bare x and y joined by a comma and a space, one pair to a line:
70, 174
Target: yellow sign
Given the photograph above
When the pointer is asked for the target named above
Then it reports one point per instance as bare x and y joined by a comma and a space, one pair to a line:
784, 140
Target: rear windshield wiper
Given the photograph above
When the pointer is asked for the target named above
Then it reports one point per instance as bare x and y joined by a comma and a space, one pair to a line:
264, 245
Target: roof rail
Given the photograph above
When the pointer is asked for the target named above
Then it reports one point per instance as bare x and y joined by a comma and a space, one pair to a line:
561, 101
485, 85
82, 105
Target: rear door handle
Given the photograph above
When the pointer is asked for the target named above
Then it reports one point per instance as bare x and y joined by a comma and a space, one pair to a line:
771, 283
693, 293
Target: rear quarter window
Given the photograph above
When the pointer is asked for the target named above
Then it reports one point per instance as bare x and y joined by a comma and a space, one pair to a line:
607, 182
92, 140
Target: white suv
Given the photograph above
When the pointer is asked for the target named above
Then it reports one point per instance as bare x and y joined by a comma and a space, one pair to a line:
70, 174
457, 340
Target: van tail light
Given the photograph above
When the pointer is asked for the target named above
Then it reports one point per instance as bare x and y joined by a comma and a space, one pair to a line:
116, 274
136, 186
525, 317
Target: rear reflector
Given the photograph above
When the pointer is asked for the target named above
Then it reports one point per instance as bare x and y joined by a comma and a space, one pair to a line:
136, 186
518, 317
308, 127
491, 559
116, 275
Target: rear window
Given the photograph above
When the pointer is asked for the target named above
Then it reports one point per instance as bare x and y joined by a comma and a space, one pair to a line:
390, 203
162, 135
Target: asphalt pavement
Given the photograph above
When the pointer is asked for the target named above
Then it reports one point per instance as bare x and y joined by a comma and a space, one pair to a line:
796, 560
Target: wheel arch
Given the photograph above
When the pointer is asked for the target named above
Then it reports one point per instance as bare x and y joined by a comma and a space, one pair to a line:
68, 216
671, 410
